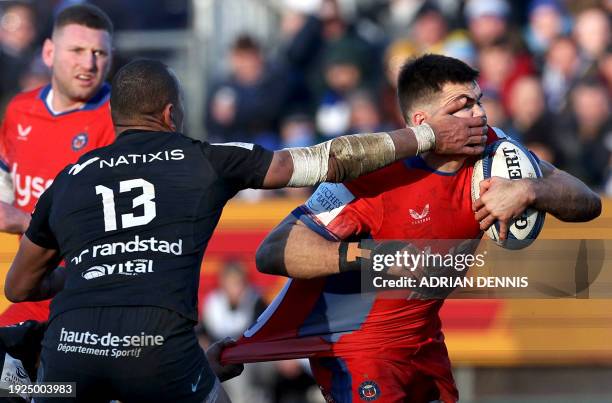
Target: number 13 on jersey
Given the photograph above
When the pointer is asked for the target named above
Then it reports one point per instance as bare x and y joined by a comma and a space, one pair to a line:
146, 199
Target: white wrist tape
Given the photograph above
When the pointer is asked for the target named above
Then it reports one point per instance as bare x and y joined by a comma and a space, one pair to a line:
353, 156
425, 137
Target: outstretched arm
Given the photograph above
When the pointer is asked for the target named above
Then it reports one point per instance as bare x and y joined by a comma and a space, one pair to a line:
348, 157
557, 193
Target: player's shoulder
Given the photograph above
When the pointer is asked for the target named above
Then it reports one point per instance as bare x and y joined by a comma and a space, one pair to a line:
24, 100
380, 181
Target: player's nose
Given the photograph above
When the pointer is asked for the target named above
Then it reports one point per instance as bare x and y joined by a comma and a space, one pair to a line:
88, 61
478, 111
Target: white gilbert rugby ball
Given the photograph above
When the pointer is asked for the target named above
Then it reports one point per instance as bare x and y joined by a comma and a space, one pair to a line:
508, 159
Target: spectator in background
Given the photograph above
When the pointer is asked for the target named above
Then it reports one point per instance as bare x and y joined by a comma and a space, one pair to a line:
247, 105
592, 33
331, 58
501, 64
429, 29
365, 114
531, 123
584, 135
496, 114
231, 308
487, 21
344, 69
17, 35
547, 21
562, 68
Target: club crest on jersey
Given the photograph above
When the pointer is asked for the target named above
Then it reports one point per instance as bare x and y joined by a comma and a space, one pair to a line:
79, 141
23, 132
420, 218
369, 391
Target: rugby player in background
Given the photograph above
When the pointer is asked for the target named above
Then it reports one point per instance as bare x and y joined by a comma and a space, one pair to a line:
50, 127
372, 347
134, 238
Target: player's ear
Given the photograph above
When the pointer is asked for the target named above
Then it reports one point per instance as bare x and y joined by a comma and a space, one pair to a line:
168, 117
47, 52
417, 118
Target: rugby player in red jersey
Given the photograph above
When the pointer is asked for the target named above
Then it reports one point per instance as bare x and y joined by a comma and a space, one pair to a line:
48, 128
364, 347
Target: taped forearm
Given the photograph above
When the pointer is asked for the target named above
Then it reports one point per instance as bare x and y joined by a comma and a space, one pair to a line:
351, 155
348, 157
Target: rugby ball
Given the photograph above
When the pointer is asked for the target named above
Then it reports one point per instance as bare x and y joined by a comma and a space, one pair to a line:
508, 159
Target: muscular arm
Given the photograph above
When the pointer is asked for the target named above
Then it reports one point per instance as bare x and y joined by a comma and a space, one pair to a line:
453, 135
293, 250
34, 274
557, 193
563, 195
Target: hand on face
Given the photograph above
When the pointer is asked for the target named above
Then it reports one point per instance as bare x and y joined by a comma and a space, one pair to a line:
460, 122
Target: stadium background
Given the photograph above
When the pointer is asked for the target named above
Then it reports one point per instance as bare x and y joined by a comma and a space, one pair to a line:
294, 72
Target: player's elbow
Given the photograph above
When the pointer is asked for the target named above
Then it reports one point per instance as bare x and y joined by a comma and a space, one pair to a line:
13, 294
265, 259
594, 203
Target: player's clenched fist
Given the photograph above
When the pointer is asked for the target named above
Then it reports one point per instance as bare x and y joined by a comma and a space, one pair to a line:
213, 354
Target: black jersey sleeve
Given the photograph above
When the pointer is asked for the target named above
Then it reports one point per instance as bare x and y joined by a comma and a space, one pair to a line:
244, 165
39, 230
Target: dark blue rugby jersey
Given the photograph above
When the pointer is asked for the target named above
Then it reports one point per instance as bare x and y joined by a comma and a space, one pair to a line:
132, 220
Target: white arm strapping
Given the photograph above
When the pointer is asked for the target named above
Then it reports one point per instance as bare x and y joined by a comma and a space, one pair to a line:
354, 155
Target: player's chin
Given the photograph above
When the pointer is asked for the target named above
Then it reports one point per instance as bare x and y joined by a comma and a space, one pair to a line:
84, 93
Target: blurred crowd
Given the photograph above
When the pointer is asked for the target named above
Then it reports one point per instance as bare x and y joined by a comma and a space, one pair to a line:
545, 71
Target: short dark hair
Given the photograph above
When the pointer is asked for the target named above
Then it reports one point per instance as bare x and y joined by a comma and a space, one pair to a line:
426, 75
142, 87
87, 15
246, 43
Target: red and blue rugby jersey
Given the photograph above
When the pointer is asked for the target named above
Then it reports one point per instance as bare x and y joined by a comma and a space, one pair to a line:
36, 143
330, 316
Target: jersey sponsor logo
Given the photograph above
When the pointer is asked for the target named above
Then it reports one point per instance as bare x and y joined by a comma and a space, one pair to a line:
27, 186
77, 168
134, 267
130, 159
369, 391
135, 245
328, 201
79, 141
23, 132
107, 345
248, 146
422, 217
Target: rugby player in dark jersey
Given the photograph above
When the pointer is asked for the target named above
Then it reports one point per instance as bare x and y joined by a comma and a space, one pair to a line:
132, 221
